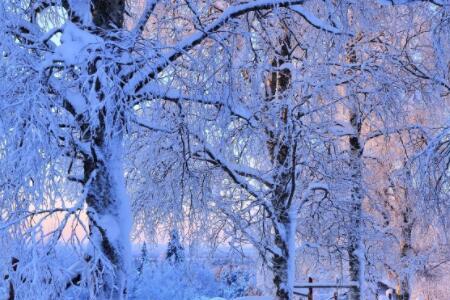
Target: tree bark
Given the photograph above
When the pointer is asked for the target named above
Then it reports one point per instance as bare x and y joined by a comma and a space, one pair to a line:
108, 207
280, 146
109, 220
405, 249
355, 246
283, 261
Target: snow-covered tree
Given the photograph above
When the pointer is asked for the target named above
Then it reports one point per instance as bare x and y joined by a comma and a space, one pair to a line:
175, 251
79, 78
224, 113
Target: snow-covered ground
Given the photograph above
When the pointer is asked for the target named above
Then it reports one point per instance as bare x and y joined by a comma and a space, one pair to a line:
242, 298
255, 298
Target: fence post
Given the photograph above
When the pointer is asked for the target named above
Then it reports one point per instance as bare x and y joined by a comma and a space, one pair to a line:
310, 289
336, 292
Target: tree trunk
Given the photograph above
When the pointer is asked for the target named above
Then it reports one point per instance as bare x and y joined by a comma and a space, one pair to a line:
109, 220
280, 146
283, 262
281, 274
405, 249
355, 246
284, 239
108, 207
355, 243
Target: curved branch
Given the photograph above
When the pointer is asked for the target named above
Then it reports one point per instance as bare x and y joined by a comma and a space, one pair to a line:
137, 82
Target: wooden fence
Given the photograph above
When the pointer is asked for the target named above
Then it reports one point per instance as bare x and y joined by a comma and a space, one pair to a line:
311, 285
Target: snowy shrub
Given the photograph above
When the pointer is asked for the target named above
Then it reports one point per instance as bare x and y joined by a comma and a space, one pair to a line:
184, 281
163, 280
175, 251
235, 283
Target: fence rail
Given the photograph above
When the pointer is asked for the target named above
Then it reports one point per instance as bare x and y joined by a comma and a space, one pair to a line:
311, 285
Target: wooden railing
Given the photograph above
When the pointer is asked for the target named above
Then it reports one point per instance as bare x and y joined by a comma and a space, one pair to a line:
311, 285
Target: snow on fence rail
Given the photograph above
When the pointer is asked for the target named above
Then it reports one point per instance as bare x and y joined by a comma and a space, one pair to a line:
310, 285
347, 285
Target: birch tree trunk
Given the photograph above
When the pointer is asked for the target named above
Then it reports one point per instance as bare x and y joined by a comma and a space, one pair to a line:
108, 205
280, 146
283, 261
109, 221
405, 249
355, 249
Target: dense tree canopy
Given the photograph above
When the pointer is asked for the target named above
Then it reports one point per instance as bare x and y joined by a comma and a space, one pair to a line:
314, 131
